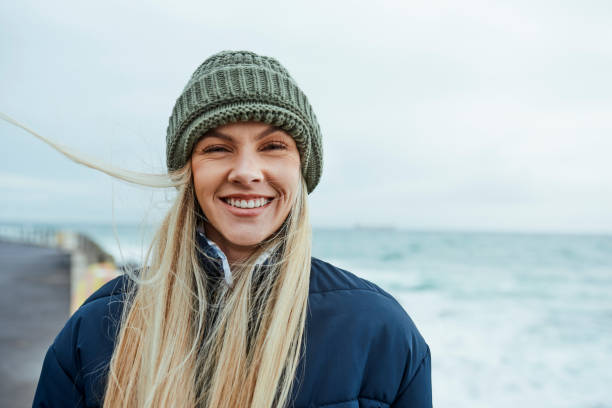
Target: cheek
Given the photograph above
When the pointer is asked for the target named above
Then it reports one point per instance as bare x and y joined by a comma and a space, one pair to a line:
206, 175
291, 180
196, 174
202, 183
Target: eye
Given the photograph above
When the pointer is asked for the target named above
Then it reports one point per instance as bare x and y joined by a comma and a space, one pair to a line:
275, 146
215, 149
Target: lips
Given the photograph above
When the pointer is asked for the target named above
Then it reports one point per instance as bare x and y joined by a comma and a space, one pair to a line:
247, 196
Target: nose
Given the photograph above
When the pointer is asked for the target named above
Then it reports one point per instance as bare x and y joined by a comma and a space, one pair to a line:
246, 170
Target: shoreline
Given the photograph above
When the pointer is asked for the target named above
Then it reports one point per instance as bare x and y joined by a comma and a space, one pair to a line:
376, 228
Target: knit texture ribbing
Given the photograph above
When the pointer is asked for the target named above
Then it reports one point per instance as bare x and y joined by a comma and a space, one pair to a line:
239, 86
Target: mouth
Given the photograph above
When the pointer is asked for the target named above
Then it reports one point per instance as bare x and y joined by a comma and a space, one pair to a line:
242, 202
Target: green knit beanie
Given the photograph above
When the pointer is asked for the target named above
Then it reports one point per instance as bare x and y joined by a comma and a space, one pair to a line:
240, 86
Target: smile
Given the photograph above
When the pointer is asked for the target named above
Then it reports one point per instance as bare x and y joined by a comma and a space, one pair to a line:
251, 203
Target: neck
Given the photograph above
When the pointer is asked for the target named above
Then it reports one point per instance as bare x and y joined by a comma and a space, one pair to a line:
233, 253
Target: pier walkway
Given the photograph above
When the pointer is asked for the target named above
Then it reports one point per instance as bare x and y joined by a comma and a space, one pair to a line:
34, 306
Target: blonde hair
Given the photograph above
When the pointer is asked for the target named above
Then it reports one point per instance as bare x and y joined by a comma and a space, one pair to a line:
185, 340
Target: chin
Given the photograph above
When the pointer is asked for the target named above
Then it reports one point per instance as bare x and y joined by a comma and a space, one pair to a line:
246, 238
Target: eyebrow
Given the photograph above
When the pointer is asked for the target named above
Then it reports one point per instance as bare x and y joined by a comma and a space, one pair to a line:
216, 133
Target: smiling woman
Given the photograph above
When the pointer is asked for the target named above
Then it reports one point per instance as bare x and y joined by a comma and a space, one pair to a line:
229, 308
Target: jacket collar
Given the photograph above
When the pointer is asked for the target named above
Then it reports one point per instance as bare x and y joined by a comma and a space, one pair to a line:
210, 254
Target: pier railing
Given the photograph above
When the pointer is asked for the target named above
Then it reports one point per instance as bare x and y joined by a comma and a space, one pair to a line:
52, 237
91, 266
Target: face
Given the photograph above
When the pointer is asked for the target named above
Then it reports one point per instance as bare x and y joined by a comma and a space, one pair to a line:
246, 177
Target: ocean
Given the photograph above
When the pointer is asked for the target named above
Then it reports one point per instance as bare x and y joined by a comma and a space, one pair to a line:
511, 319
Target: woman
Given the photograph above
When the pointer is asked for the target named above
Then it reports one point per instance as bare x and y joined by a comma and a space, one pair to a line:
231, 310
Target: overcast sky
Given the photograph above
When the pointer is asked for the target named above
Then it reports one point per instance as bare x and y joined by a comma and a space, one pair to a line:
435, 114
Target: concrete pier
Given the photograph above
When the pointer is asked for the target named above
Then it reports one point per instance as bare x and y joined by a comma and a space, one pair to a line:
34, 306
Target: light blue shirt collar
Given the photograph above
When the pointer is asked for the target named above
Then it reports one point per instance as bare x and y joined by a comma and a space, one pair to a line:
227, 272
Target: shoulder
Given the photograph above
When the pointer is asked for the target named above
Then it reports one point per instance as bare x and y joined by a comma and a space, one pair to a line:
341, 292
375, 341
85, 343
100, 309
114, 288
326, 277
346, 289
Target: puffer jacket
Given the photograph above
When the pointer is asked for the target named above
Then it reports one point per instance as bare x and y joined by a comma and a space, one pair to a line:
361, 348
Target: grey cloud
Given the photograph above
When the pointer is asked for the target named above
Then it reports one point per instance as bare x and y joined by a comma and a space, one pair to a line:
468, 115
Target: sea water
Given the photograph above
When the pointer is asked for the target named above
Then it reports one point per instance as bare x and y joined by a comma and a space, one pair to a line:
511, 319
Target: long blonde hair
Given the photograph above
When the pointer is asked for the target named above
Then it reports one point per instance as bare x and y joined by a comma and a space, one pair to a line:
185, 340
170, 353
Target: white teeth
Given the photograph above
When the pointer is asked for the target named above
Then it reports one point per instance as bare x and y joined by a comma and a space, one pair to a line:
258, 202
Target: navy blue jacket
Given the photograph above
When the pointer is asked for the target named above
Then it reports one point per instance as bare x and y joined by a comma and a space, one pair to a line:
361, 349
